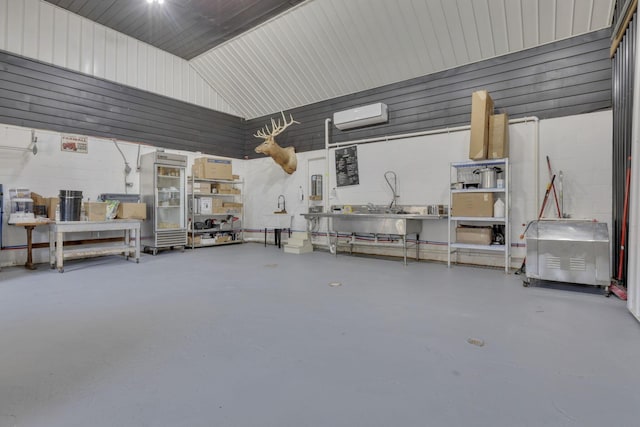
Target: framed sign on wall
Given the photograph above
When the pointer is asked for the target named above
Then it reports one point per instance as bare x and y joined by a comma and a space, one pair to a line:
347, 166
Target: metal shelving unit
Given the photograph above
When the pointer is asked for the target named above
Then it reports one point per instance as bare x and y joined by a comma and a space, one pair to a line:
226, 227
459, 172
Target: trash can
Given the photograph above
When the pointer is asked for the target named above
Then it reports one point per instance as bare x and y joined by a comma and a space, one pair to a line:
70, 205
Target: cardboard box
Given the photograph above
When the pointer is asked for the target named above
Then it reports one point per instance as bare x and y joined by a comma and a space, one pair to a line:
217, 202
192, 241
472, 204
223, 239
206, 205
199, 188
473, 235
132, 211
232, 205
52, 205
235, 177
498, 136
212, 168
95, 211
481, 109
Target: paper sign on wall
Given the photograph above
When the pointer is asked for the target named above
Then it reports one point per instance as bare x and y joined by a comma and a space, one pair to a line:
75, 143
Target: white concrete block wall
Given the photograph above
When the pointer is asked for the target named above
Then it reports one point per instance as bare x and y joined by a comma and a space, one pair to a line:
578, 145
39, 30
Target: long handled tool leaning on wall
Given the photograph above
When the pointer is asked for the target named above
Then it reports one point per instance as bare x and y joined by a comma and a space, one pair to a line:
523, 267
617, 286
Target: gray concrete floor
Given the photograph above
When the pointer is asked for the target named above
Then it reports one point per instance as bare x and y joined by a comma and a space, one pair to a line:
249, 336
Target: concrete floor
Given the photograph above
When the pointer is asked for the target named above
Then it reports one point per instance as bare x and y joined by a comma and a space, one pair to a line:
249, 336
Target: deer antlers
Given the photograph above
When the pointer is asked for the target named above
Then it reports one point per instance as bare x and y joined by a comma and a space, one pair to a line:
276, 128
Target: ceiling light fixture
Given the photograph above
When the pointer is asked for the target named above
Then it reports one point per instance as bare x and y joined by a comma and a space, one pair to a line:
155, 1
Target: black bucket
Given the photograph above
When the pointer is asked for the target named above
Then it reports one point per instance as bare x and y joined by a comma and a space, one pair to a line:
70, 205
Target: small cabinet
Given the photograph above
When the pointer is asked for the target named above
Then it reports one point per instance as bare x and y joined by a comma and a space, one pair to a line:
479, 209
216, 212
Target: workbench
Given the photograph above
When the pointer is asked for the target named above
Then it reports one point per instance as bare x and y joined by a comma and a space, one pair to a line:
129, 247
30, 226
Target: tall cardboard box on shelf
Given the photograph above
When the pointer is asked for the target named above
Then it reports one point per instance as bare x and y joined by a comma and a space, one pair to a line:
498, 136
481, 109
212, 168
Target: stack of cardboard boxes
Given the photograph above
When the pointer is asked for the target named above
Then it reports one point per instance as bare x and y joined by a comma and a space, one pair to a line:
489, 140
215, 169
97, 211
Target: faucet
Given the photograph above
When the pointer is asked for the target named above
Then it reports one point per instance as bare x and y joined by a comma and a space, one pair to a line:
281, 199
371, 207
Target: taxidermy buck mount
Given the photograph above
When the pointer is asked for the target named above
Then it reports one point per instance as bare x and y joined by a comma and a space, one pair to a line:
285, 157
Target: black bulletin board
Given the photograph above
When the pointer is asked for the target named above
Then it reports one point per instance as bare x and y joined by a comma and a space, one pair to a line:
347, 166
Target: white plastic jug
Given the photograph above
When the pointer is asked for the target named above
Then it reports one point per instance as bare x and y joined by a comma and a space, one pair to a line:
498, 209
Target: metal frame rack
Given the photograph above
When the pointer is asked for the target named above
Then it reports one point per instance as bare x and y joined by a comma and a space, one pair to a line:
195, 215
457, 172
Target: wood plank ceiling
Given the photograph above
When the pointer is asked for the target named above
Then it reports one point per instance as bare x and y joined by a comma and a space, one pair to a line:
322, 49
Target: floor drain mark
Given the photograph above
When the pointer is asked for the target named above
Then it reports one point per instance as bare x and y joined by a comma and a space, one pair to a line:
271, 265
335, 284
474, 341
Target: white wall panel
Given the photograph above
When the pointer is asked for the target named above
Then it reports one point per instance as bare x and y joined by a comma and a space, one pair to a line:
121, 58
547, 20
99, 51
86, 47
4, 17
485, 32
530, 29
152, 69
159, 72
75, 43
60, 31
456, 32
15, 25
185, 81
168, 76
469, 29
110, 52
582, 11
46, 33
513, 13
143, 54
497, 14
564, 19
30, 28
132, 62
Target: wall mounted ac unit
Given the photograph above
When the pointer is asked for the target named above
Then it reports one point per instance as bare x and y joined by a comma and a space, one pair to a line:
361, 116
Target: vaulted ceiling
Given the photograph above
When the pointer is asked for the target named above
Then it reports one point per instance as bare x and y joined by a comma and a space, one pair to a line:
320, 49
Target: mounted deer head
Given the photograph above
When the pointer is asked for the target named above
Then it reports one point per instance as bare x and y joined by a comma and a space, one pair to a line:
285, 157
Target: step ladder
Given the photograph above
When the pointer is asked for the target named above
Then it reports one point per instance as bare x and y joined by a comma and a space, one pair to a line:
298, 243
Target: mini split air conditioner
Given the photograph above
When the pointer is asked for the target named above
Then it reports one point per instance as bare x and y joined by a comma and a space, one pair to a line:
361, 116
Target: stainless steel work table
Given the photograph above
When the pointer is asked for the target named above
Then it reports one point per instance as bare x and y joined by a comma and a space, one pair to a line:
129, 247
400, 225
